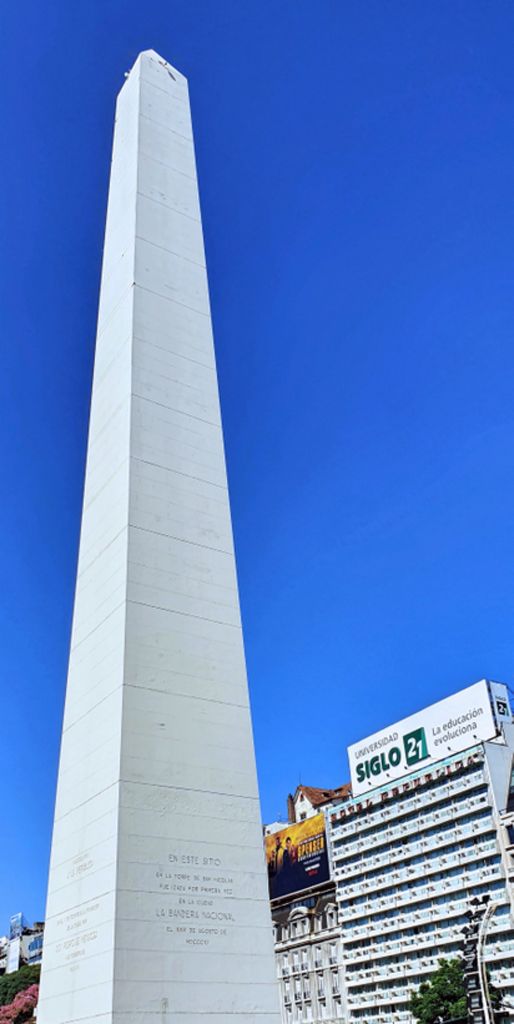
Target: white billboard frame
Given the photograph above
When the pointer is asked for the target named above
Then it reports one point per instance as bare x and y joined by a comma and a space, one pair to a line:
447, 727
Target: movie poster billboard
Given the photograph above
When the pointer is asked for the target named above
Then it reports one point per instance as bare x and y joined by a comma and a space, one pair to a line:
297, 857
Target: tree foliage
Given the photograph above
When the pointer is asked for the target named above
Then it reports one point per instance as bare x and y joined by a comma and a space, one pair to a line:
441, 998
22, 1007
495, 996
18, 981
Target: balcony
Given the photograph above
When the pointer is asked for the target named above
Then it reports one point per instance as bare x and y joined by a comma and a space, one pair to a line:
395, 876
404, 920
362, 1000
445, 791
385, 834
408, 899
413, 848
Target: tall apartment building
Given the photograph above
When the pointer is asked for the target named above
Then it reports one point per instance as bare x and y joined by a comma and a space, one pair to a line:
414, 845
23, 946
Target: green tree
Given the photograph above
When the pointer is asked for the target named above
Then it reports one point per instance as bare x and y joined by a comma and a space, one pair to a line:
496, 998
444, 996
18, 981
441, 998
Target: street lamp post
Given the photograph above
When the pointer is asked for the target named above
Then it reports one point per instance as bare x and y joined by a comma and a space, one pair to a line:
480, 1008
484, 985
475, 975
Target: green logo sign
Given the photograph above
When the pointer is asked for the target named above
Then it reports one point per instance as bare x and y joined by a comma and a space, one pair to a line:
415, 746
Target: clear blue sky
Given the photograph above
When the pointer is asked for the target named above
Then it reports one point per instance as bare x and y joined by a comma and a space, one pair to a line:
356, 167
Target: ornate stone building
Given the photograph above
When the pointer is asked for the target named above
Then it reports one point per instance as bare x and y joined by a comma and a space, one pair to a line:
307, 933
309, 961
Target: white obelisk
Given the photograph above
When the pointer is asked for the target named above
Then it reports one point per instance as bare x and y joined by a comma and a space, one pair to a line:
157, 904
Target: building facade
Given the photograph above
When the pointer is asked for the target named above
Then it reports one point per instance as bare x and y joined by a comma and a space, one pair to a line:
408, 857
309, 958
23, 946
307, 934
307, 801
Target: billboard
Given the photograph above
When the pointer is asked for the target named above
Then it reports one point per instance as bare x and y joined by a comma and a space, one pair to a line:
16, 925
297, 857
451, 725
13, 956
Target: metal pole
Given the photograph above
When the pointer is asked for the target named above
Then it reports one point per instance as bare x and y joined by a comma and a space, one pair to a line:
482, 969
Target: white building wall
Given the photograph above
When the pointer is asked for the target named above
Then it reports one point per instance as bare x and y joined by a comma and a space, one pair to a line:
304, 808
157, 905
407, 861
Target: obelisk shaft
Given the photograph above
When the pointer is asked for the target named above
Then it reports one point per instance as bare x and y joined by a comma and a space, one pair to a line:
157, 904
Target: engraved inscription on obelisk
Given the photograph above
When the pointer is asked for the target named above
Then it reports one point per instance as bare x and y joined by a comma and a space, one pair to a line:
157, 903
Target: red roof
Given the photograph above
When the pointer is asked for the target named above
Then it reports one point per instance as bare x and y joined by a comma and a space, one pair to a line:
318, 797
